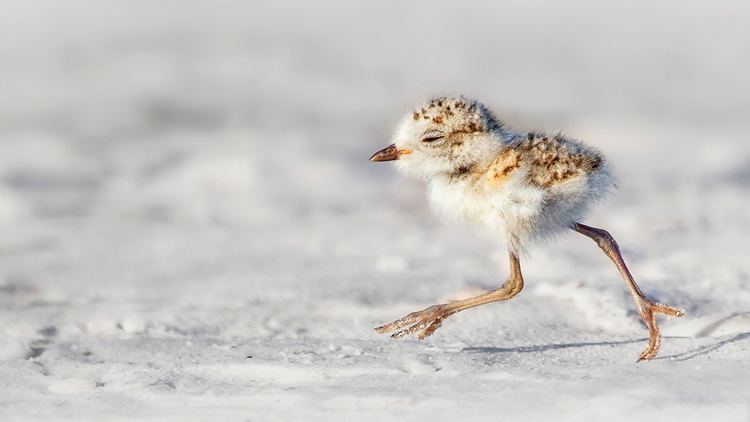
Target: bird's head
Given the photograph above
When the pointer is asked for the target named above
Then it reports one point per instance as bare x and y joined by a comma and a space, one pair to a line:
442, 137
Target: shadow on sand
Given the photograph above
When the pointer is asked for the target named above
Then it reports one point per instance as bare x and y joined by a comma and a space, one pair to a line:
677, 357
546, 347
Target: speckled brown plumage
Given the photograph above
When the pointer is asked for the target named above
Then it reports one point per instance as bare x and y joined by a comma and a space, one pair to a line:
462, 116
555, 159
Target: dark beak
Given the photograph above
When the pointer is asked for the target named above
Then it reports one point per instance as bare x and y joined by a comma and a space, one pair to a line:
389, 153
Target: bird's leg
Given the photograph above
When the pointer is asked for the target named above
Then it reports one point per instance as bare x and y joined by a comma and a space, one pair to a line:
646, 307
426, 321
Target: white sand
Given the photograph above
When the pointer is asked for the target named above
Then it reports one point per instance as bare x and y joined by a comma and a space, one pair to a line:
191, 229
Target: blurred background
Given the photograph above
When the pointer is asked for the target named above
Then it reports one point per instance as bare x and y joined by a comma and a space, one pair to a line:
198, 170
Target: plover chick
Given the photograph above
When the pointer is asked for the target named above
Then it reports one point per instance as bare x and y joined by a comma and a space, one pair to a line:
519, 187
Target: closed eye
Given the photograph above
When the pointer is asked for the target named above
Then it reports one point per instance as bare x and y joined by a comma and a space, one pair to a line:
432, 138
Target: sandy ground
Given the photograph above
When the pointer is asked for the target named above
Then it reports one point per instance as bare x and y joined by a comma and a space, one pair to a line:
191, 231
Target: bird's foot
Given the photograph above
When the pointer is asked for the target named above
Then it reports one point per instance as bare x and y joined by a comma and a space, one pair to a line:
648, 311
423, 322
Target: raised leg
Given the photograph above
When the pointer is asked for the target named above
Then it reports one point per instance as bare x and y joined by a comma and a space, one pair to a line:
426, 321
646, 307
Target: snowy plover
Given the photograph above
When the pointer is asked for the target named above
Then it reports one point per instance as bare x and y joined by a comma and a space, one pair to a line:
515, 186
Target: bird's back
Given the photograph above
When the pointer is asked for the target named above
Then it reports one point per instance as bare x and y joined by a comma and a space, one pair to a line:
553, 160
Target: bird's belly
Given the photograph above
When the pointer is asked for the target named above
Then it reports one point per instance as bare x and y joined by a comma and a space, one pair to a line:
504, 213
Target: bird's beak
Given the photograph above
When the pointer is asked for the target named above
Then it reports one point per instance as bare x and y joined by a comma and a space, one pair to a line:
389, 153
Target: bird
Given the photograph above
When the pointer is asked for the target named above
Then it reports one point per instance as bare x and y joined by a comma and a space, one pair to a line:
517, 187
